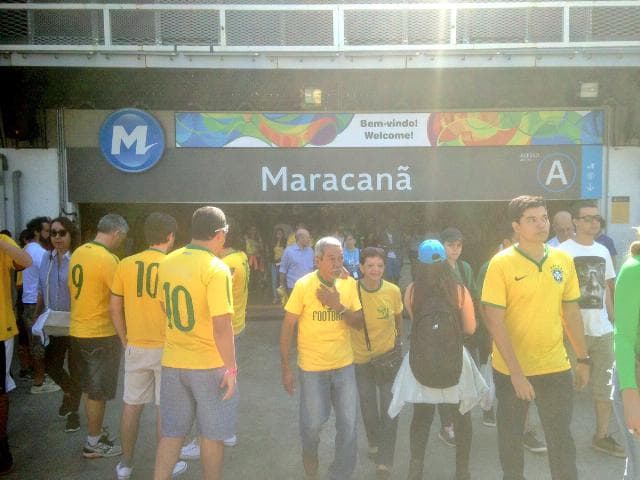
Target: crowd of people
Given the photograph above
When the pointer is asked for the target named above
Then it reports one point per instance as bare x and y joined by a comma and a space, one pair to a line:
535, 323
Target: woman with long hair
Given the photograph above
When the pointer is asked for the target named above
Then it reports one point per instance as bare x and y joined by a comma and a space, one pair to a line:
626, 397
53, 294
435, 290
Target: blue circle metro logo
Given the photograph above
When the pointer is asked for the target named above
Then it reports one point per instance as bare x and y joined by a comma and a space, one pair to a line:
131, 140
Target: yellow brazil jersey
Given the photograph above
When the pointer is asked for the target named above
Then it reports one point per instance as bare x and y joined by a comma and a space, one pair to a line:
239, 267
194, 286
91, 270
8, 328
532, 294
324, 340
379, 307
136, 280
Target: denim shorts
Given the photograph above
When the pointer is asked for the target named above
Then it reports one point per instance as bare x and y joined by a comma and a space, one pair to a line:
98, 361
187, 394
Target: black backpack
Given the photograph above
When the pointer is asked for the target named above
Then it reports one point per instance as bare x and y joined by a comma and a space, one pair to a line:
435, 354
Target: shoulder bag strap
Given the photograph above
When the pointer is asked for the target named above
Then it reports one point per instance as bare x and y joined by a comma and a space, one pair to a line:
46, 297
364, 321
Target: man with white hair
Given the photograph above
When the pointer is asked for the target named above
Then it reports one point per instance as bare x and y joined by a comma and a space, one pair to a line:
562, 225
324, 306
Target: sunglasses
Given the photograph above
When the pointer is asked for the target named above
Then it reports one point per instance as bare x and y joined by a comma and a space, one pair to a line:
59, 233
591, 218
224, 229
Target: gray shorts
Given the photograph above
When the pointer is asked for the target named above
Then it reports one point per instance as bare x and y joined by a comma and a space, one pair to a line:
186, 395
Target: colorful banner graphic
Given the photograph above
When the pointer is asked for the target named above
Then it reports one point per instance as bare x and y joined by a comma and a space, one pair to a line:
392, 130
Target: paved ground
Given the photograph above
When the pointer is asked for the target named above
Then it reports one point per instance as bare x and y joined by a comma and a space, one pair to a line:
268, 432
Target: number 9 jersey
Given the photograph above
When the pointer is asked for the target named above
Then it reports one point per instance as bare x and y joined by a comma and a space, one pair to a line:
91, 270
194, 286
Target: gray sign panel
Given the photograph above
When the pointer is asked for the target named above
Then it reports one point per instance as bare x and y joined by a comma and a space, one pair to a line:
335, 175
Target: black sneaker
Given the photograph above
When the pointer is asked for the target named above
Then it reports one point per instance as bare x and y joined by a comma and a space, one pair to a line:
489, 418
26, 373
73, 422
64, 409
447, 435
104, 448
531, 442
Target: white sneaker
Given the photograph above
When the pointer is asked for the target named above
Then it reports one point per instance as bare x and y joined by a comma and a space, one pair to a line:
179, 469
123, 473
191, 451
231, 441
45, 388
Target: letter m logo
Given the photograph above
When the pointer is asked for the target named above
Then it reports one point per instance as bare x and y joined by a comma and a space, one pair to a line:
138, 136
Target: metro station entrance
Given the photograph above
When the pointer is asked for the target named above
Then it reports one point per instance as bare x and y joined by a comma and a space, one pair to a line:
481, 223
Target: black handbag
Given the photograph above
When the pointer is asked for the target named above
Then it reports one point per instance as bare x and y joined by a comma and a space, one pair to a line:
385, 366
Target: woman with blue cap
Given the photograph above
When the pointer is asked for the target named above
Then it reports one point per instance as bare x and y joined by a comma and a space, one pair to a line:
437, 369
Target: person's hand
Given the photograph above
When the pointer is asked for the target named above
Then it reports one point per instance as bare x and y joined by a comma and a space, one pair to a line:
522, 386
329, 297
583, 371
229, 382
288, 381
631, 402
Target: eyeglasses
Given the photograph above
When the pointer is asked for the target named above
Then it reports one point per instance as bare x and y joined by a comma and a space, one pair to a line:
224, 229
591, 218
59, 233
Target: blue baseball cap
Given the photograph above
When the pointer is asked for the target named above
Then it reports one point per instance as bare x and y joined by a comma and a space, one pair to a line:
431, 251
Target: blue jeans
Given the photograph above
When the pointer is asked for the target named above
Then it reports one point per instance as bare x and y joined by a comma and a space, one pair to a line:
381, 429
631, 443
319, 391
275, 279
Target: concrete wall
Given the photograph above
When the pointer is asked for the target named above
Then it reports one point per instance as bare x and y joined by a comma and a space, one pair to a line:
39, 189
624, 180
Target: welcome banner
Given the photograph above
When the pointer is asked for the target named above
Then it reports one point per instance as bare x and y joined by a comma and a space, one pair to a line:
388, 130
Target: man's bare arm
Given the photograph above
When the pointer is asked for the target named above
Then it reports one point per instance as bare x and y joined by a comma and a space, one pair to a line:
223, 335
286, 339
21, 259
494, 321
575, 333
116, 310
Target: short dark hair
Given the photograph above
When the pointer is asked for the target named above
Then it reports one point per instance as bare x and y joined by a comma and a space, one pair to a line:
205, 222
577, 206
158, 226
372, 252
71, 228
35, 224
518, 205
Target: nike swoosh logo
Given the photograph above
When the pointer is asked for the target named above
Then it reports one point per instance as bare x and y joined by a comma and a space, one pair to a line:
517, 279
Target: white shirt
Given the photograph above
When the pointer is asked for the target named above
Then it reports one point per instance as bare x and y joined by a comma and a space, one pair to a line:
553, 242
594, 267
30, 275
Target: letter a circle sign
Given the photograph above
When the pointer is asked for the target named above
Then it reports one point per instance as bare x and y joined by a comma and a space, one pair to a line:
131, 140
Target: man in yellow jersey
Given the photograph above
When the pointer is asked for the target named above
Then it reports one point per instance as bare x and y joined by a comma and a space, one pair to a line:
530, 294
324, 306
95, 347
238, 263
11, 257
140, 323
198, 362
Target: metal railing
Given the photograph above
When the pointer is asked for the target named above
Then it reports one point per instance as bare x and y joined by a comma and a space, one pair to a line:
302, 27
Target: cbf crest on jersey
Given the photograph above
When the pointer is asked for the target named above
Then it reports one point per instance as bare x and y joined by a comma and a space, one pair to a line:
131, 140
557, 273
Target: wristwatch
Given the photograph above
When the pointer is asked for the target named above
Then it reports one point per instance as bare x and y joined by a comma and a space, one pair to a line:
586, 360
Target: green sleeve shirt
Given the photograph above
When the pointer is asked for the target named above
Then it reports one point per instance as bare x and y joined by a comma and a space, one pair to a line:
627, 318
